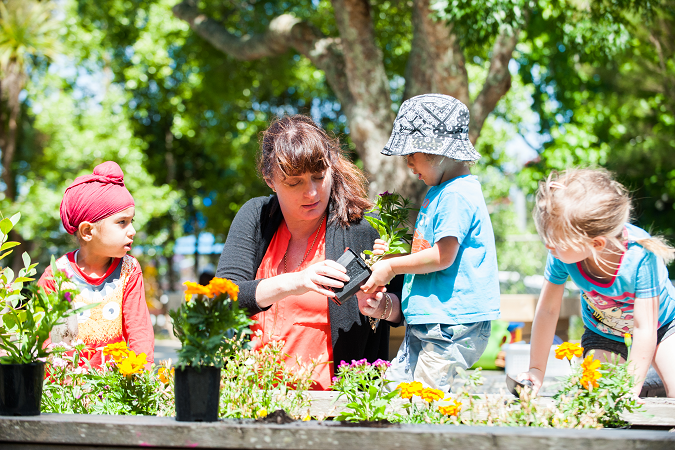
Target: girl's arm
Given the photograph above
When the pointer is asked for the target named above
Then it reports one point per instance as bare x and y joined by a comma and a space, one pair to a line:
439, 257
543, 330
646, 318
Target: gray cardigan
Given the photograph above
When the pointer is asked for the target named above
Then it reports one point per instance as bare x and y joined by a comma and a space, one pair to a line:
247, 241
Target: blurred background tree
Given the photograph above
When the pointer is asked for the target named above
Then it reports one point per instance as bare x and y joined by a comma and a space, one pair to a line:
178, 92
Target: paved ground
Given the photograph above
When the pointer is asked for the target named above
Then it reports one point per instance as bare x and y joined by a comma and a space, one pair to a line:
166, 349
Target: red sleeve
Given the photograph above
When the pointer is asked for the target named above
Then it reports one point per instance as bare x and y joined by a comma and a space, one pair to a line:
136, 324
46, 281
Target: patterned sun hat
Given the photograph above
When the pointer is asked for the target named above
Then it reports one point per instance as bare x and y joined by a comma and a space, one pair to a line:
432, 123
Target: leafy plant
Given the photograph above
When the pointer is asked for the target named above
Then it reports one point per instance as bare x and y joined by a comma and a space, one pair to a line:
392, 224
121, 385
255, 382
208, 323
363, 385
601, 388
28, 319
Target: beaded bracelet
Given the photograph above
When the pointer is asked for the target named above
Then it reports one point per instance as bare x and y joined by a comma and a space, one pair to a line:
388, 304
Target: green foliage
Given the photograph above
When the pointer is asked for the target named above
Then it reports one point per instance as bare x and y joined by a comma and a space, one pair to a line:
72, 386
363, 385
27, 319
256, 382
604, 403
208, 324
390, 218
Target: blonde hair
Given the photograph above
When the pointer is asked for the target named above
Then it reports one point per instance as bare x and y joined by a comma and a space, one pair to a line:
576, 206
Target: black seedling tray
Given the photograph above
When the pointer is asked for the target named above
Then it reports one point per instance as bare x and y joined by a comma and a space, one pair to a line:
358, 273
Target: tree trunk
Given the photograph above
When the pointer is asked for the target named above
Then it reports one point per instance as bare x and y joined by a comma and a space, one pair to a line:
13, 84
354, 69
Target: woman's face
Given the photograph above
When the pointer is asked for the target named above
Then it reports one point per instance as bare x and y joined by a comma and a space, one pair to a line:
302, 197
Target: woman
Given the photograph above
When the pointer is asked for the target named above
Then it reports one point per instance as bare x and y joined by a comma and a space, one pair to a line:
281, 251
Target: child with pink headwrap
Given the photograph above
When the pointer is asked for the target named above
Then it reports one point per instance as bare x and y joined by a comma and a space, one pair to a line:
99, 210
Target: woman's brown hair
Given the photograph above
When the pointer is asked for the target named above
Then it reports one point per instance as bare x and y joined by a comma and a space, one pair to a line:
295, 145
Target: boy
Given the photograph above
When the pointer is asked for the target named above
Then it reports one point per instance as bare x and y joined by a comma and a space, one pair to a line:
451, 290
99, 210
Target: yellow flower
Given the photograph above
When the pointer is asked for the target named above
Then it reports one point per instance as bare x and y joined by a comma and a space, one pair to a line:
628, 339
165, 374
568, 350
410, 389
431, 395
262, 412
132, 364
219, 286
451, 410
307, 418
590, 374
117, 350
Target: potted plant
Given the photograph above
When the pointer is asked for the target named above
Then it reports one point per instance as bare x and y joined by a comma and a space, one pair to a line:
27, 317
207, 325
390, 218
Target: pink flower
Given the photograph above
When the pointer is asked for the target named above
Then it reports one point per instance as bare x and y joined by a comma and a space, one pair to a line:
80, 371
59, 362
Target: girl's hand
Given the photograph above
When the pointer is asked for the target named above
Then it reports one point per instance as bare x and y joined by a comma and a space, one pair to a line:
323, 275
372, 304
382, 275
380, 247
536, 376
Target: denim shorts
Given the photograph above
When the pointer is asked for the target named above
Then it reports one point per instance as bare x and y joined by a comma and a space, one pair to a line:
431, 353
594, 341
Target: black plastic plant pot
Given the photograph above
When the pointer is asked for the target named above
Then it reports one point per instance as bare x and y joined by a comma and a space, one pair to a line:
197, 392
21, 389
358, 273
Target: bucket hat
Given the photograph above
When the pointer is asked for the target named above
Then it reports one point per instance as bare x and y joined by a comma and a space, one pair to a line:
435, 124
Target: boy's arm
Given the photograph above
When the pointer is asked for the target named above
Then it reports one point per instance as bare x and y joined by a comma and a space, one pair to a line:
646, 318
137, 327
439, 257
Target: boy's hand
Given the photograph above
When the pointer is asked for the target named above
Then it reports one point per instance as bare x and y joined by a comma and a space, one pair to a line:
380, 247
536, 376
382, 275
371, 304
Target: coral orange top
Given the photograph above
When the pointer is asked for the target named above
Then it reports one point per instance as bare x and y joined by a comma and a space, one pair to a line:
300, 320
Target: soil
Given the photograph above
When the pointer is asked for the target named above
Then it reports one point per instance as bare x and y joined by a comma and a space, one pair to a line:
277, 417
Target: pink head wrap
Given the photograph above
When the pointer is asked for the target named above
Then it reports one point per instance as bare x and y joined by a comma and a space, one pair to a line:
94, 197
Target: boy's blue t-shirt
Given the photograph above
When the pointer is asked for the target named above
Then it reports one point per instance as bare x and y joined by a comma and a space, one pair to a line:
468, 290
607, 309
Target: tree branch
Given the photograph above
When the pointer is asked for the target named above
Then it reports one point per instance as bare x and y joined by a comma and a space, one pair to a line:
284, 33
436, 62
497, 84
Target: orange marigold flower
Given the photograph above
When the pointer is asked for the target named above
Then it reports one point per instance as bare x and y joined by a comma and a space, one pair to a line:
431, 395
117, 350
568, 350
451, 410
410, 389
132, 364
590, 373
165, 374
220, 286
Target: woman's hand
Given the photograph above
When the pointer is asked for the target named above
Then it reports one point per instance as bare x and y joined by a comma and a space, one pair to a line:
323, 275
372, 304
535, 375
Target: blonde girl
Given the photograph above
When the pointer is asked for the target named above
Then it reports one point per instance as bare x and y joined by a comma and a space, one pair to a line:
582, 215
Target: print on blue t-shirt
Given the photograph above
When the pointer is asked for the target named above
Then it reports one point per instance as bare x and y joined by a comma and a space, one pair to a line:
468, 290
607, 308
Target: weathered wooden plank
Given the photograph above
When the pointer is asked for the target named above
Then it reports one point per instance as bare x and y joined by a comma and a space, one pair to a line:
78, 431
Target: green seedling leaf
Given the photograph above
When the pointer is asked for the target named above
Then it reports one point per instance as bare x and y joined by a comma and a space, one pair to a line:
6, 226
15, 218
26, 259
9, 244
